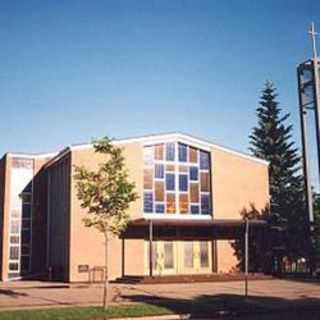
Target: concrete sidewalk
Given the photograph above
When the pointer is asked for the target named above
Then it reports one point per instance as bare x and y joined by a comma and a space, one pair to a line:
273, 294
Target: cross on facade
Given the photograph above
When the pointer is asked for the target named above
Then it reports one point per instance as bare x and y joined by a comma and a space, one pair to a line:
314, 34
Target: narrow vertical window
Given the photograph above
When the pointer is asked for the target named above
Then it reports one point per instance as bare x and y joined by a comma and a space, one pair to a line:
204, 181
170, 183
205, 204
194, 173
194, 209
159, 208
204, 160
170, 151
184, 204
148, 155
159, 191
183, 152
171, 204
158, 152
148, 202
158, 171
148, 181
183, 182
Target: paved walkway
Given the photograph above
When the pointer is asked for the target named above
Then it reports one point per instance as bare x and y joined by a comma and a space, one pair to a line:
269, 293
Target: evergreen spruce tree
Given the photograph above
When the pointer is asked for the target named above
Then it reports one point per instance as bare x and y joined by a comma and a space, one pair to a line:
271, 139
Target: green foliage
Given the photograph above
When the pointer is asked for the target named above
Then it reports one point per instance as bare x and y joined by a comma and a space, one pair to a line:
271, 139
87, 313
106, 192
259, 245
316, 229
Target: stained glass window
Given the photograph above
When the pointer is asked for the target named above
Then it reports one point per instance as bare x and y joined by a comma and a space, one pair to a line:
159, 188
182, 152
148, 202
193, 154
170, 151
170, 181
176, 179
204, 181
183, 199
148, 155
159, 171
171, 203
170, 167
183, 182
194, 192
148, 183
204, 160
205, 203
158, 152
194, 173
194, 209
159, 208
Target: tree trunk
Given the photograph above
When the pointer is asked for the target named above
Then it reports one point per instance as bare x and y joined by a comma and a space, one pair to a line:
106, 280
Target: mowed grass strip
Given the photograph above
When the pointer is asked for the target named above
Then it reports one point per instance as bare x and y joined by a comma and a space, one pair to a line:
86, 313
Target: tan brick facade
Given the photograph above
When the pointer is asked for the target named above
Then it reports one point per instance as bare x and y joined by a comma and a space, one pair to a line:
75, 253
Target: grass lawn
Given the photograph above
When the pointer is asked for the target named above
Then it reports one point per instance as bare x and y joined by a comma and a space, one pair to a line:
201, 306
234, 308
86, 313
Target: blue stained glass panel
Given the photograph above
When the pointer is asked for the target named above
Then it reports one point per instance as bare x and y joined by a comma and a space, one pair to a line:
182, 152
148, 202
159, 208
170, 183
205, 204
204, 160
194, 173
159, 171
194, 209
170, 151
183, 182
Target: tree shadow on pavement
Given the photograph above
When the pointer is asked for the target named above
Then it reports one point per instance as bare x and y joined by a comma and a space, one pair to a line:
11, 293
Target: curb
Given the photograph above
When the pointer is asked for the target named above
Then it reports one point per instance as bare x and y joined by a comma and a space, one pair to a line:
163, 317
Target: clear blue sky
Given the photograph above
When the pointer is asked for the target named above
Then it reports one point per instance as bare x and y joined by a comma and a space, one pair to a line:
74, 70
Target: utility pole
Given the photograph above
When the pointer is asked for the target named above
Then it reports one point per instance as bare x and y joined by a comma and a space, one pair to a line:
246, 257
309, 100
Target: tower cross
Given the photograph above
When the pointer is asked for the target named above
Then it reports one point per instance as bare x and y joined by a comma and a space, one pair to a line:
314, 34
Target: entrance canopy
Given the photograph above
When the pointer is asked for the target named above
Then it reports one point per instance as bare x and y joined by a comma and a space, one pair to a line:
187, 229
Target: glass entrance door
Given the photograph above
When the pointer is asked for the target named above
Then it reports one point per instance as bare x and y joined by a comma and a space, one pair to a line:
164, 257
179, 257
204, 256
195, 257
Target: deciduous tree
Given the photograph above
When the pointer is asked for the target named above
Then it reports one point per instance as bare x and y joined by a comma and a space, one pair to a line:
106, 193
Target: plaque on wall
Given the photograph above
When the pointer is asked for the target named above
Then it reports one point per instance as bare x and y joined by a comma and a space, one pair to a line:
83, 268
